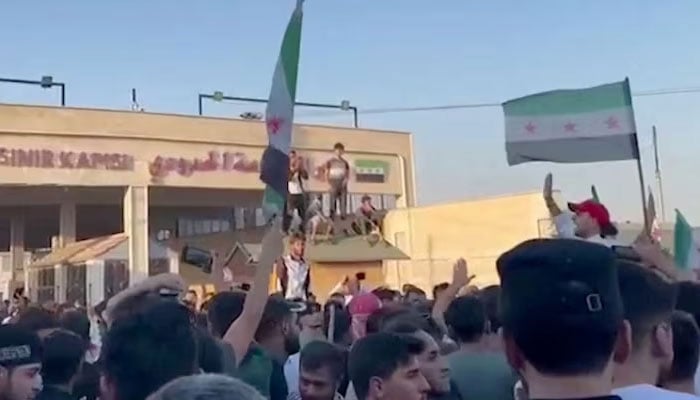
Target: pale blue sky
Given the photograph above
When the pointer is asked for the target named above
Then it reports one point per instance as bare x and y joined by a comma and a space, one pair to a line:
388, 53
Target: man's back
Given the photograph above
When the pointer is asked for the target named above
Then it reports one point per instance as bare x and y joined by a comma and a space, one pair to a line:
482, 376
650, 392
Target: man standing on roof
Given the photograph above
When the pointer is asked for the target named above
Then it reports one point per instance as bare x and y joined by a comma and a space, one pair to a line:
293, 274
591, 220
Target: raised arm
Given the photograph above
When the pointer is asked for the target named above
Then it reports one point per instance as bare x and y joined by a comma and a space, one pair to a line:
241, 333
460, 279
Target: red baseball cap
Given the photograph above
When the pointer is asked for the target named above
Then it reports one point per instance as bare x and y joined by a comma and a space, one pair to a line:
599, 213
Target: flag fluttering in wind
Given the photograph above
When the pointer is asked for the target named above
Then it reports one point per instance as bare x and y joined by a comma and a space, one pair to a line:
686, 252
279, 118
572, 126
654, 226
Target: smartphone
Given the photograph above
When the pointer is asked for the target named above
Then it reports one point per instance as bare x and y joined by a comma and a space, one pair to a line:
626, 253
200, 258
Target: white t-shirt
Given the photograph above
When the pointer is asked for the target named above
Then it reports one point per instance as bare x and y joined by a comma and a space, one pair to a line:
297, 273
566, 229
650, 392
291, 372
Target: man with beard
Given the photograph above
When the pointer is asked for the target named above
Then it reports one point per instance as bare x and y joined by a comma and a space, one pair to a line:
20, 363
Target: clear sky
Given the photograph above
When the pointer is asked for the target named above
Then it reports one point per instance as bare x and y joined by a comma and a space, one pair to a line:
389, 53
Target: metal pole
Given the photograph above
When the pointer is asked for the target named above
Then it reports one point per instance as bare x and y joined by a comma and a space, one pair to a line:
647, 227
62, 86
658, 175
354, 117
200, 103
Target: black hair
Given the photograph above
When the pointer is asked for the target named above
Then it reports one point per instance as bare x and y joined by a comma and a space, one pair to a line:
411, 289
379, 355
341, 322
385, 294
275, 313
689, 299
310, 308
319, 354
145, 350
382, 316
36, 319
223, 309
77, 322
63, 353
466, 318
440, 287
489, 297
686, 347
338, 146
648, 299
209, 355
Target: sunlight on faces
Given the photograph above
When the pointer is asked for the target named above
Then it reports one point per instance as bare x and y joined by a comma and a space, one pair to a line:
433, 365
22, 382
406, 383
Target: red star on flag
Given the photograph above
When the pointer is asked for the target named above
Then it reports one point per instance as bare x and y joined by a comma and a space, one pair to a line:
274, 124
530, 128
570, 127
612, 123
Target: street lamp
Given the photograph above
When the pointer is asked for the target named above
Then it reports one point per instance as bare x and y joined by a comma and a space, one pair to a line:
46, 82
219, 97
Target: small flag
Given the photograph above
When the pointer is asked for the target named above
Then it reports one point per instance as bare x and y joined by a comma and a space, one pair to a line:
371, 171
655, 228
279, 117
684, 245
594, 194
572, 126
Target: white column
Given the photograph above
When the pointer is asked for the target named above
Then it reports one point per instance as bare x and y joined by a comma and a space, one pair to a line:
17, 246
60, 283
136, 228
67, 224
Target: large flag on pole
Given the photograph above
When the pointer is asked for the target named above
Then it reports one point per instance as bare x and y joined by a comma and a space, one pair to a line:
655, 227
685, 249
279, 118
572, 126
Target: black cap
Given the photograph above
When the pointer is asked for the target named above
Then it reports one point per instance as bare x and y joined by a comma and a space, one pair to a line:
559, 281
18, 346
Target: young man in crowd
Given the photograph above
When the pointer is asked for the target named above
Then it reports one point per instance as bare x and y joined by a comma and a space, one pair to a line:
414, 295
321, 372
649, 300
433, 365
20, 363
477, 370
385, 366
206, 387
689, 301
562, 314
144, 351
591, 220
297, 193
292, 270
62, 358
686, 348
337, 176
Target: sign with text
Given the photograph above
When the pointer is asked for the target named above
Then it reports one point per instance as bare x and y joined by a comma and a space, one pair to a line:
42, 158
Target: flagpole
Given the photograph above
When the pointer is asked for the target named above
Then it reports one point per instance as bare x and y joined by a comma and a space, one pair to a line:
642, 187
658, 175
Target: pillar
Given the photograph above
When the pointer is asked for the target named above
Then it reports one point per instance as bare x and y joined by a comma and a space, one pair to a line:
66, 236
17, 246
136, 229
95, 276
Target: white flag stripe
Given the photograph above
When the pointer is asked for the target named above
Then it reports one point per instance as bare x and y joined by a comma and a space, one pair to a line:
281, 107
618, 121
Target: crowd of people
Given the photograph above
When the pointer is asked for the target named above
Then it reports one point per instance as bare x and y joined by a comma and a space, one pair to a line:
570, 319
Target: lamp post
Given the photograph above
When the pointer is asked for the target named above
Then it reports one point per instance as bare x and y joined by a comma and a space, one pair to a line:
219, 96
46, 82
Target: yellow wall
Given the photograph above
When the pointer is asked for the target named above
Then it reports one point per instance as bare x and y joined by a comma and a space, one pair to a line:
480, 230
139, 138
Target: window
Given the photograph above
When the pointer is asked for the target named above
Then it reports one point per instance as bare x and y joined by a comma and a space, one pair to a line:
201, 226
388, 201
259, 217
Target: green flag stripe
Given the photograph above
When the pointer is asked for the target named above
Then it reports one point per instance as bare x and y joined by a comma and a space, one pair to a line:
291, 45
609, 96
683, 240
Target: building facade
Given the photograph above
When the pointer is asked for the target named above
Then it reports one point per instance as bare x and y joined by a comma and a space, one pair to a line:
69, 174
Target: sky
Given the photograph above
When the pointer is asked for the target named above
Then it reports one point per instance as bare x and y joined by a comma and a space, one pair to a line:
389, 53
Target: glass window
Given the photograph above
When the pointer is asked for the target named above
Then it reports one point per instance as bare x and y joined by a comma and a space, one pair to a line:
216, 225
225, 225
389, 201
239, 218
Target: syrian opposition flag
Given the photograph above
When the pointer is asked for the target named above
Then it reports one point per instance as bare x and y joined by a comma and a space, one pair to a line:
279, 118
685, 249
572, 126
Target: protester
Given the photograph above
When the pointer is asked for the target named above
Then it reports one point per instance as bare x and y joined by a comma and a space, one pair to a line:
652, 339
20, 363
489, 297
414, 295
686, 349
360, 308
206, 387
365, 218
689, 301
337, 176
296, 201
293, 274
591, 220
562, 317
384, 366
37, 320
321, 372
477, 370
63, 355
